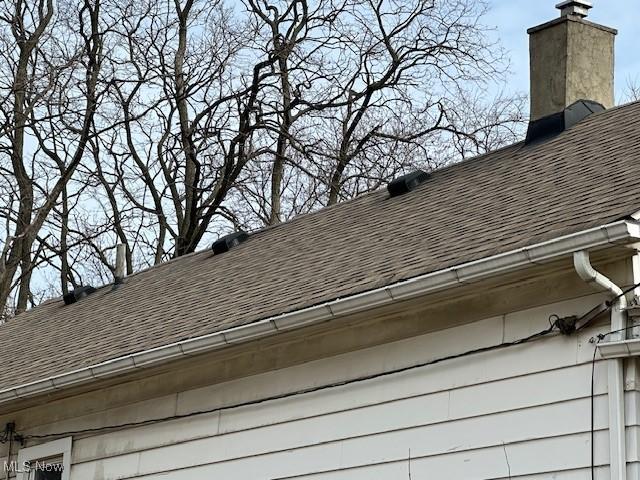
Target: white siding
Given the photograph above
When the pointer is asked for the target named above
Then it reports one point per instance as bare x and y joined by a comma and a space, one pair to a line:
523, 412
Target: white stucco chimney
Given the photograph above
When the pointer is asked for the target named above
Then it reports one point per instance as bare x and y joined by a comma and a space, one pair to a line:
571, 59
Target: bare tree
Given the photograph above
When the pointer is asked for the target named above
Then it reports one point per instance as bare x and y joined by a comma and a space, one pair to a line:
47, 111
632, 91
367, 89
161, 123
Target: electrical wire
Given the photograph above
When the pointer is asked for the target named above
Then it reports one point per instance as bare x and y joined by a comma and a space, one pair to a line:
624, 292
552, 326
306, 391
8, 436
601, 336
9, 453
609, 303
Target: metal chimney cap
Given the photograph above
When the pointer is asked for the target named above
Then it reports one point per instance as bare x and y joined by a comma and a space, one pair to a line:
579, 8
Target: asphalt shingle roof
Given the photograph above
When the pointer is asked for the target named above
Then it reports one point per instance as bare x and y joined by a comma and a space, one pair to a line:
520, 195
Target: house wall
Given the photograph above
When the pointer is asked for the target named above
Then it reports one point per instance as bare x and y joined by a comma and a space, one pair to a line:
522, 412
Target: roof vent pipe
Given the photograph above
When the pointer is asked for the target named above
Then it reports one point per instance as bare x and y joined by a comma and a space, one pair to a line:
78, 294
121, 258
406, 183
226, 243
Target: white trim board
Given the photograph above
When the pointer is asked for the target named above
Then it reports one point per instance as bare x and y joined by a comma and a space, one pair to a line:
43, 451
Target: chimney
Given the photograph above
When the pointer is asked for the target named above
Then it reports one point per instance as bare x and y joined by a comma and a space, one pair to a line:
571, 59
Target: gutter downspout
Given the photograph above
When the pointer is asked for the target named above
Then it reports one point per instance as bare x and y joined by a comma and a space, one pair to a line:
617, 426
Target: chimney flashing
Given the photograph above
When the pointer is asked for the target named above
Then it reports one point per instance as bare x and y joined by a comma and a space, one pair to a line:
556, 123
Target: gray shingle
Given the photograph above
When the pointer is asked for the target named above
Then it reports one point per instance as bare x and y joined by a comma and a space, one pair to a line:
510, 198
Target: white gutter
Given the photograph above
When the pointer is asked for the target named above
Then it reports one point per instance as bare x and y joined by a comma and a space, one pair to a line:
618, 233
617, 425
620, 349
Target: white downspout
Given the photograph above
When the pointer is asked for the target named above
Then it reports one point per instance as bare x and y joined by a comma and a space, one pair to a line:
617, 439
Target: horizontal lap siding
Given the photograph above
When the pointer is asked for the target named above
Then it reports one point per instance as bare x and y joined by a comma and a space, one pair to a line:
523, 412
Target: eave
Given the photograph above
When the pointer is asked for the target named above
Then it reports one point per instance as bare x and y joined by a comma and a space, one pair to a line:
623, 232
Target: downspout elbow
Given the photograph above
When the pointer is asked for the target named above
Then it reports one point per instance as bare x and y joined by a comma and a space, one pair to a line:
585, 270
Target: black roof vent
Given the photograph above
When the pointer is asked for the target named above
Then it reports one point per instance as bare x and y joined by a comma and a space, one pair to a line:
227, 242
406, 183
554, 124
78, 294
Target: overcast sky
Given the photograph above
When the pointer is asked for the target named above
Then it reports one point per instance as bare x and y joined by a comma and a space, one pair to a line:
513, 17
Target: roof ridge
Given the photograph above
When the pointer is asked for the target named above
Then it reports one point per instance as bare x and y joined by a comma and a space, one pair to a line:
326, 208
617, 107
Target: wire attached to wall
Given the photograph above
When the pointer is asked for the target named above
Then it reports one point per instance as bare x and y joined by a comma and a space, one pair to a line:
10, 436
561, 325
342, 383
9, 452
